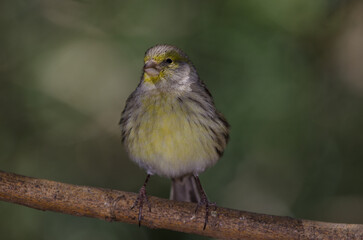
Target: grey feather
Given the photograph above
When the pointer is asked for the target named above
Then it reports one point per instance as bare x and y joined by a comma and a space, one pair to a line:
185, 189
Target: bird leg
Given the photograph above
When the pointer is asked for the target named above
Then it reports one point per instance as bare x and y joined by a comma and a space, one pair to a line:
203, 201
141, 199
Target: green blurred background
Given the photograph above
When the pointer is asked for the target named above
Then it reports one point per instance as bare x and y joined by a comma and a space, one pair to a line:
287, 74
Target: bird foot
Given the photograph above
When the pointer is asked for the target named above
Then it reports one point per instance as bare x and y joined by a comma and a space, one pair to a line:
140, 202
204, 202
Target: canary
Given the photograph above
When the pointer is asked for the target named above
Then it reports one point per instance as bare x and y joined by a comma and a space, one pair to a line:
170, 126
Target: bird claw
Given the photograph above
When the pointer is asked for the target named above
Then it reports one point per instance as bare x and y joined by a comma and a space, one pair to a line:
140, 202
204, 202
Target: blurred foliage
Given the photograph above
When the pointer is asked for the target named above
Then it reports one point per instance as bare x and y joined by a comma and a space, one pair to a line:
287, 75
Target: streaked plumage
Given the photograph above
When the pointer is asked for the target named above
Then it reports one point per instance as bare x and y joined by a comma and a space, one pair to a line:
170, 125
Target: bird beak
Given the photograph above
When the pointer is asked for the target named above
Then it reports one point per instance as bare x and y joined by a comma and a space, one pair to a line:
151, 68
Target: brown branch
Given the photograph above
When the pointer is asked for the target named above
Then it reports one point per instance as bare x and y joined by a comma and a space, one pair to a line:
112, 205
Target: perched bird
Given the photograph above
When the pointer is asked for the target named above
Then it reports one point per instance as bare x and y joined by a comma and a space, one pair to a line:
170, 126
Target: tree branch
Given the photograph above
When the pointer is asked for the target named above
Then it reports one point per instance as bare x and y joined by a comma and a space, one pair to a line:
113, 205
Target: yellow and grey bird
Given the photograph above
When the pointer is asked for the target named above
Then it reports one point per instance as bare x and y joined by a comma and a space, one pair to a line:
171, 127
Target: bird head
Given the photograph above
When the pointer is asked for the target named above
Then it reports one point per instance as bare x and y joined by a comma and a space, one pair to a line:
167, 66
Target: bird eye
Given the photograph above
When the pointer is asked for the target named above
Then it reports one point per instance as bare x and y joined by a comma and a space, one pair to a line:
169, 60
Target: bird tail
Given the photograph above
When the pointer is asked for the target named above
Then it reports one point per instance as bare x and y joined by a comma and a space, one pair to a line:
185, 189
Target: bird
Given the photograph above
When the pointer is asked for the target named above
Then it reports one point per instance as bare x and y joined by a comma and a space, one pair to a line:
170, 126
